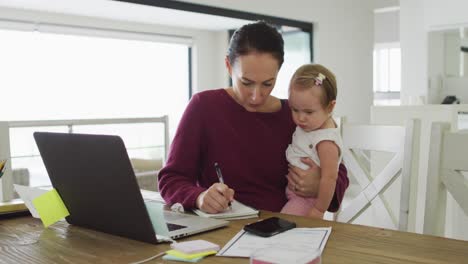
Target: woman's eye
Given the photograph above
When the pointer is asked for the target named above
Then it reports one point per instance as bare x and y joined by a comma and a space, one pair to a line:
246, 83
267, 84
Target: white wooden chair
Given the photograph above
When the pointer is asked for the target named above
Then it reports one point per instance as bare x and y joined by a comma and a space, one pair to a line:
448, 158
361, 144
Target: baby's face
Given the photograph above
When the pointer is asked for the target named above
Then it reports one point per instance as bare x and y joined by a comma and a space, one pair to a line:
307, 110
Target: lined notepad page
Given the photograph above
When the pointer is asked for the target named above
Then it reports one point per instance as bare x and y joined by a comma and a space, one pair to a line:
238, 210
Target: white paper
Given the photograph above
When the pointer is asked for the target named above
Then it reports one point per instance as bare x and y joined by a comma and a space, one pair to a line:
238, 210
28, 194
153, 196
244, 244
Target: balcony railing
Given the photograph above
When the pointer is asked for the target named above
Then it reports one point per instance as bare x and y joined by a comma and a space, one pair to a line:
6, 182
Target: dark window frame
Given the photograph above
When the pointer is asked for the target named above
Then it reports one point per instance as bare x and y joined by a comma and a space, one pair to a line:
307, 27
218, 11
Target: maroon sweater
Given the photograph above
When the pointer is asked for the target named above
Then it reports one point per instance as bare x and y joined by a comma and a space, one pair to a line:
248, 146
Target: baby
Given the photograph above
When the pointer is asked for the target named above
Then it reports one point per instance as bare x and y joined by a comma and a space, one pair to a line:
312, 97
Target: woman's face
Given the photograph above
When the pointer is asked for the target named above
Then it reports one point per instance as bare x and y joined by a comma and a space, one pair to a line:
253, 78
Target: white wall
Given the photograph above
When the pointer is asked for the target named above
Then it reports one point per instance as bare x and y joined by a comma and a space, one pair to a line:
385, 3
436, 66
413, 43
417, 18
455, 86
343, 41
387, 27
446, 13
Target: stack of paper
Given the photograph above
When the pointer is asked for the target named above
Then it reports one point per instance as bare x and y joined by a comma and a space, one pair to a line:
244, 244
44, 204
191, 251
152, 196
238, 210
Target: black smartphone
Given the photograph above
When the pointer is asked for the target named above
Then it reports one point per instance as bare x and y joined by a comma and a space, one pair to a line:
269, 227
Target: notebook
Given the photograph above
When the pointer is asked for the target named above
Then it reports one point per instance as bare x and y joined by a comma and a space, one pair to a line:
95, 179
238, 210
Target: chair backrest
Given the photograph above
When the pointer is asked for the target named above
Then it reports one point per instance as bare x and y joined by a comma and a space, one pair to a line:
361, 144
448, 158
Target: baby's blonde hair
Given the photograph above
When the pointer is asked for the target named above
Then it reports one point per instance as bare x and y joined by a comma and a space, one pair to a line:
306, 77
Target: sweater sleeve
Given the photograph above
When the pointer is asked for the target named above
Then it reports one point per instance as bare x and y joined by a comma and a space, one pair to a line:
178, 179
341, 185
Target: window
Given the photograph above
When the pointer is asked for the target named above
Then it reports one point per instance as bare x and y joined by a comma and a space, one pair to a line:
296, 53
297, 35
52, 72
387, 74
66, 76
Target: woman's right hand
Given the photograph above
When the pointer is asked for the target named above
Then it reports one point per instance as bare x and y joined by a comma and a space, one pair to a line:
216, 199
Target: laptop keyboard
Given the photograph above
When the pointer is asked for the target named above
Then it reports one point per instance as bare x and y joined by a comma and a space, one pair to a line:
171, 216
173, 227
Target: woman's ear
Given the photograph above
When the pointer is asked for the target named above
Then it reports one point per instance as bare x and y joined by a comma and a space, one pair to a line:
228, 66
331, 106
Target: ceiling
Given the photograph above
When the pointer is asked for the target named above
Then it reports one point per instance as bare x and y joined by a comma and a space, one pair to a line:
129, 12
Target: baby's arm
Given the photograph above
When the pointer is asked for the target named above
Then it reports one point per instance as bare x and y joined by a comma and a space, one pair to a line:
328, 153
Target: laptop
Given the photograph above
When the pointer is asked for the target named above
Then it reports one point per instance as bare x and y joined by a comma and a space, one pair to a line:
96, 181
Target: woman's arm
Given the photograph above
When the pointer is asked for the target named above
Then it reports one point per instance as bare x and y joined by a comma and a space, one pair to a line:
328, 153
178, 180
342, 184
307, 182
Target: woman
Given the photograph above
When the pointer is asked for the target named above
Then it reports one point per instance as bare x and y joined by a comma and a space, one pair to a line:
246, 131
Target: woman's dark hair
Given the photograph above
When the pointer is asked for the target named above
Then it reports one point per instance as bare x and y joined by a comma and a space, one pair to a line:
256, 37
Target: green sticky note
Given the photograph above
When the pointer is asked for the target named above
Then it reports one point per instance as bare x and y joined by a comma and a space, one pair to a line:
156, 214
182, 255
50, 207
169, 257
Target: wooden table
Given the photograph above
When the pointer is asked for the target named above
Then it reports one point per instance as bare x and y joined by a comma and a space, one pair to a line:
24, 240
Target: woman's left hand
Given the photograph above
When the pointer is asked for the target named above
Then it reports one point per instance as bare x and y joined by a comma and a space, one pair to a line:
304, 182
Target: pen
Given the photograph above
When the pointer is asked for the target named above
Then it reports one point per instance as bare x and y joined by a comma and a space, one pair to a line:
220, 177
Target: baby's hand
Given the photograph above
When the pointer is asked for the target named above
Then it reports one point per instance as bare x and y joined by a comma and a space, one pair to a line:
315, 213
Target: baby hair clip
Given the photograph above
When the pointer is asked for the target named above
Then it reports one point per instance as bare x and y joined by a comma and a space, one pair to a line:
319, 79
